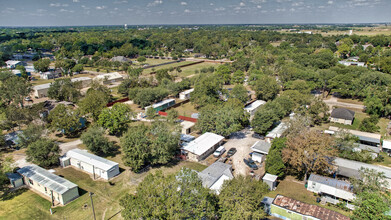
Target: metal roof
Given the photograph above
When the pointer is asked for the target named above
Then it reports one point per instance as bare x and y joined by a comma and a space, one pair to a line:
350, 168
307, 209
187, 138
254, 105
42, 86
339, 184
270, 177
162, 103
83, 78
13, 176
203, 143
46, 178
12, 62
277, 131
386, 144
84, 156
187, 91
363, 136
214, 172
343, 113
109, 76
261, 147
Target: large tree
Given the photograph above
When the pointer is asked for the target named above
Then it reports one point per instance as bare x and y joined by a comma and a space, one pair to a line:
274, 163
308, 152
115, 119
95, 140
206, 91
64, 90
65, 119
13, 89
241, 198
42, 65
240, 92
43, 152
93, 103
264, 120
176, 196
32, 133
266, 88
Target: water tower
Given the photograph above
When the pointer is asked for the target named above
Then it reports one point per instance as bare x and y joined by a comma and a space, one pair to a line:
126, 26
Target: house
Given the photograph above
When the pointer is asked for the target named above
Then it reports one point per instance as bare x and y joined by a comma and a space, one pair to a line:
19, 73
332, 190
254, 106
109, 78
350, 168
40, 91
12, 64
288, 208
84, 81
270, 180
160, 106
185, 94
55, 188
95, 165
276, 132
49, 75
352, 63
386, 146
261, 147
203, 146
187, 127
214, 176
121, 59
364, 137
342, 116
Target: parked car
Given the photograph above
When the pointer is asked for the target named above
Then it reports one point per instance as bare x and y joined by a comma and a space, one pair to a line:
250, 163
231, 152
258, 136
222, 159
28, 99
219, 151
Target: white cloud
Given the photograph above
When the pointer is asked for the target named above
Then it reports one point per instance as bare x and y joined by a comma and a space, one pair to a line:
211, 4
183, 3
155, 3
100, 7
40, 10
330, 2
58, 5
121, 2
259, 6
64, 10
76, 1
220, 9
187, 11
242, 4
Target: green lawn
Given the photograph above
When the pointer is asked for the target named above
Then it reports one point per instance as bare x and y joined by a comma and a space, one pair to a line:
152, 61
190, 70
295, 189
149, 70
186, 109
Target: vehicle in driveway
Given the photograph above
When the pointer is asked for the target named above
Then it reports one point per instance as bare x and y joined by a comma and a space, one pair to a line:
250, 163
231, 152
219, 151
258, 136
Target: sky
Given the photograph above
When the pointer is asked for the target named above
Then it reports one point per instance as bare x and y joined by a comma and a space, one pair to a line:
143, 12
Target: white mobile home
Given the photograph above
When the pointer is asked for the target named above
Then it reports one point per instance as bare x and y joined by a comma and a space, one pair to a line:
95, 165
276, 132
203, 146
57, 189
84, 81
12, 64
185, 94
109, 78
41, 91
253, 107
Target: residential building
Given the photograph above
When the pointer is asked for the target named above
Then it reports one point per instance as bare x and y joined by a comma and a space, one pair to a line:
386, 146
41, 91
49, 75
288, 208
95, 165
342, 116
12, 64
187, 127
364, 137
270, 180
352, 63
55, 188
203, 146
254, 106
185, 94
16, 179
163, 105
276, 132
19, 73
109, 78
121, 59
261, 147
350, 168
84, 81
332, 190
214, 176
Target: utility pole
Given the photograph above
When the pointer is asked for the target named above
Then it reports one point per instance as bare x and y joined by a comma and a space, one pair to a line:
92, 204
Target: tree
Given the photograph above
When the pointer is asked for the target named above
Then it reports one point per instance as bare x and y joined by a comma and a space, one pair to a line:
266, 88
115, 119
134, 73
43, 152
223, 73
241, 198
274, 163
23, 72
65, 65
176, 196
370, 124
263, 120
155, 144
163, 74
78, 68
308, 152
65, 119
96, 142
150, 113
318, 111
172, 115
32, 133
64, 90
240, 92
238, 77
206, 91
13, 89
93, 103
42, 65
141, 59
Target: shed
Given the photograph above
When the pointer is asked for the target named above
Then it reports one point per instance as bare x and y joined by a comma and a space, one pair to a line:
386, 146
56, 188
16, 179
185, 94
270, 180
254, 106
203, 146
187, 127
41, 91
342, 116
214, 176
49, 75
257, 157
186, 138
95, 165
121, 59
262, 147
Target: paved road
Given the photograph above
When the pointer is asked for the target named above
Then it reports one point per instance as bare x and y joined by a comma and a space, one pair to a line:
334, 102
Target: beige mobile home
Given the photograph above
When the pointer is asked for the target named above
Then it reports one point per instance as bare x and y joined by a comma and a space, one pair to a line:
41, 91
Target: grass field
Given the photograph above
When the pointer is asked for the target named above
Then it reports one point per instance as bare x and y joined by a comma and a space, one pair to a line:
295, 189
190, 70
40, 81
149, 70
186, 109
29, 205
151, 61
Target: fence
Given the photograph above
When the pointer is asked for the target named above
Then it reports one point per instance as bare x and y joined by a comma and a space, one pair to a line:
180, 117
117, 101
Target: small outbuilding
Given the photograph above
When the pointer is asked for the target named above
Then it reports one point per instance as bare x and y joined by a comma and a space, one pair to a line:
342, 116
41, 91
261, 147
12, 64
386, 146
185, 94
203, 146
84, 81
95, 165
187, 127
16, 179
270, 180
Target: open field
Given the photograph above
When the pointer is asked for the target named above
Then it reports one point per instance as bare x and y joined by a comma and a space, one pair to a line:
149, 70
368, 31
190, 70
186, 109
150, 62
29, 205
295, 189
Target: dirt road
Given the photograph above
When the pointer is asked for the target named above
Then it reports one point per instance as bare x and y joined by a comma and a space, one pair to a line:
333, 101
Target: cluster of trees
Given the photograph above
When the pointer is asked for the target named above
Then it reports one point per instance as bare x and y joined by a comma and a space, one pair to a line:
182, 196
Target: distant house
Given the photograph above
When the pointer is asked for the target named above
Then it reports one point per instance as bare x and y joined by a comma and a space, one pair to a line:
203, 146
342, 116
49, 75
187, 127
364, 137
41, 91
121, 59
84, 81
19, 73
214, 176
288, 208
331, 190
95, 165
109, 78
276, 132
254, 106
190, 50
352, 63
386, 146
12, 64
160, 106
185, 94
55, 188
